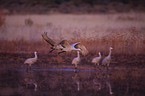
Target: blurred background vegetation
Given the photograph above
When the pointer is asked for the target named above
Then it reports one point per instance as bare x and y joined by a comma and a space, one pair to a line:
97, 23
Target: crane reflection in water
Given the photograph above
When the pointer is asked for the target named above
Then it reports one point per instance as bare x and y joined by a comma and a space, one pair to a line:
66, 82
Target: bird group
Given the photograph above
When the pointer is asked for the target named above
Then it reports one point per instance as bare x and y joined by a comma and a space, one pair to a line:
64, 46
106, 60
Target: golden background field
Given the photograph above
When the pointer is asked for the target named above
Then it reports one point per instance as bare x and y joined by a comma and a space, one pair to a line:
123, 31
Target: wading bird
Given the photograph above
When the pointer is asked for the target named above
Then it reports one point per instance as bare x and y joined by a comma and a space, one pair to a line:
65, 46
76, 60
96, 60
107, 60
31, 61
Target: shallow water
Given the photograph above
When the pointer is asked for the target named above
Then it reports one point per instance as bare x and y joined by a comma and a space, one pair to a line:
55, 69
71, 82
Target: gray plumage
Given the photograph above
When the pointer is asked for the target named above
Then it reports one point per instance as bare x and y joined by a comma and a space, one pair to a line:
82, 48
74, 47
76, 60
31, 61
64, 45
55, 45
107, 60
96, 60
67, 47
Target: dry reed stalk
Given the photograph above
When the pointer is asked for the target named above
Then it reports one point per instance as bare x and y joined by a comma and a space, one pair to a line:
124, 32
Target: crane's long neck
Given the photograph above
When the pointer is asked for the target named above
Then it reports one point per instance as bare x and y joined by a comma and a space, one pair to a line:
35, 56
76, 49
110, 53
78, 54
100, 55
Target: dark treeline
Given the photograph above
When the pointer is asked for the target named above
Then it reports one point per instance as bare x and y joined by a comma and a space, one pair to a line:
75, 2
72, 6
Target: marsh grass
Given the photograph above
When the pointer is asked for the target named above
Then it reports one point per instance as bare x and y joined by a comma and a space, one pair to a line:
124, 32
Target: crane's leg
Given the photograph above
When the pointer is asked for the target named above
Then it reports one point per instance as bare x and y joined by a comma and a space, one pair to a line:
30, 67
27, 69
94, 65
108, 64
98, 66
107, 67
75, 66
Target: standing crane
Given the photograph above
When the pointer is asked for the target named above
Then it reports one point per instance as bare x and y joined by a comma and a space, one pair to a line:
107, 60
96, 60
77, 59
31, 61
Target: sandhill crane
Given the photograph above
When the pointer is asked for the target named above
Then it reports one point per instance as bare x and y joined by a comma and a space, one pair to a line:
31, 61
76, 47
107, 60
65, 46
77, 59
55, 45
96, 60
79, 45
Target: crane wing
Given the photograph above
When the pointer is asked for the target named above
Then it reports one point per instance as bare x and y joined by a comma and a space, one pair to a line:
47, 39
64, 43
83, 51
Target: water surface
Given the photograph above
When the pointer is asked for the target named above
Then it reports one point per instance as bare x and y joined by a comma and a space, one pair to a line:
71, 82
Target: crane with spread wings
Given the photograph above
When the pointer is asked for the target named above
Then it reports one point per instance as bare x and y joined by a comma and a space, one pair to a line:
64, 45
